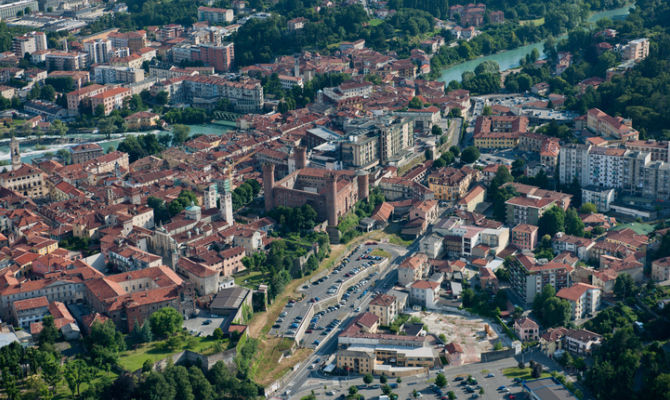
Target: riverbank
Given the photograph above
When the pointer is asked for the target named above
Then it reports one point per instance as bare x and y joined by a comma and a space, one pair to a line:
509, 59
28, 143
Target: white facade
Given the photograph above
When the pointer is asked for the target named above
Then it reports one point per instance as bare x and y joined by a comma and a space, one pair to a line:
98, 50
602, 198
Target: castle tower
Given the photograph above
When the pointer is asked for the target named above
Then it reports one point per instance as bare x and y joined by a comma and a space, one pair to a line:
268, 184
210, 197
15, 153
363, 185
331, 198
109, 194
300, 157
226, 208
296, 67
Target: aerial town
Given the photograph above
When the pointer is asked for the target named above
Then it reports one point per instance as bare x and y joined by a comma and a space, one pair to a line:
334, 199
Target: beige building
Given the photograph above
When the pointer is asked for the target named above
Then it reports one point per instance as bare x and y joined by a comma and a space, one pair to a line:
386, 360
584, 299
660, 269
23, 178
110, 100
385, 307
637, 49
205, 279
412, 269
473, 198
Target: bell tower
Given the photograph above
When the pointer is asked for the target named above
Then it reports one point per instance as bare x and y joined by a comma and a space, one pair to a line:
15, 153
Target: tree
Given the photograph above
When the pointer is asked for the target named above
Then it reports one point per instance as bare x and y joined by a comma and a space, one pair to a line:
155, 386
623, 286
455, 150
104, 343
518, 167
218, 334
179, 134
451, 395
51, 371
552, 221
165, 322
440, 380
436, 130
415, 103
59, 127
147, 365
368, 378
202, 388
49, 332
470, 154
588, 208
353, 390
573, 223
547, 292
537, 371
386, 389
99, 111
556, 312
383, 379
660, 387
76, 373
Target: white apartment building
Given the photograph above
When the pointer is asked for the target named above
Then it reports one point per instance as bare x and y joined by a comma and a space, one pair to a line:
98, 50
29, 43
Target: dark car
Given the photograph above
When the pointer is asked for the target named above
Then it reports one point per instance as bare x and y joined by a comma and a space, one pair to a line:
207, 322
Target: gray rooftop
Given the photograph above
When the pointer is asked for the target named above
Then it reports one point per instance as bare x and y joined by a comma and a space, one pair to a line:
548, 389
229, 299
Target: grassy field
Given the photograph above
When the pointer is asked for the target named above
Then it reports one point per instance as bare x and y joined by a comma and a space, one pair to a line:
375, 22
536, 22
524, 373
250, 280
380, 253
132, 360
393, 234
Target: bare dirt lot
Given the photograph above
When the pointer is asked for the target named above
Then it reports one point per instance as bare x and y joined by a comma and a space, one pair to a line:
469, 332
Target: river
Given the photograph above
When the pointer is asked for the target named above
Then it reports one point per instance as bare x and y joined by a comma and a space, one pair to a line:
510, 58
28, 152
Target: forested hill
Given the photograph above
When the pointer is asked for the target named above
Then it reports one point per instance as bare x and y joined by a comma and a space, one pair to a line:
643, 93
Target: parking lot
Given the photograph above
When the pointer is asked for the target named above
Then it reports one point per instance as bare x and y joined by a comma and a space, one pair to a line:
326, 286
488, 377
204, 324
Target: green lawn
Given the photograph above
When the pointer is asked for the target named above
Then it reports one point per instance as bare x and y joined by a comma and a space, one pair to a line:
132, 360
380, 253
535, 22
375, 22
251, 279
393, 231
524, 374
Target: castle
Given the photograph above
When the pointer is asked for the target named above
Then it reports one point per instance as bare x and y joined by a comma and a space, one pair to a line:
331, 193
